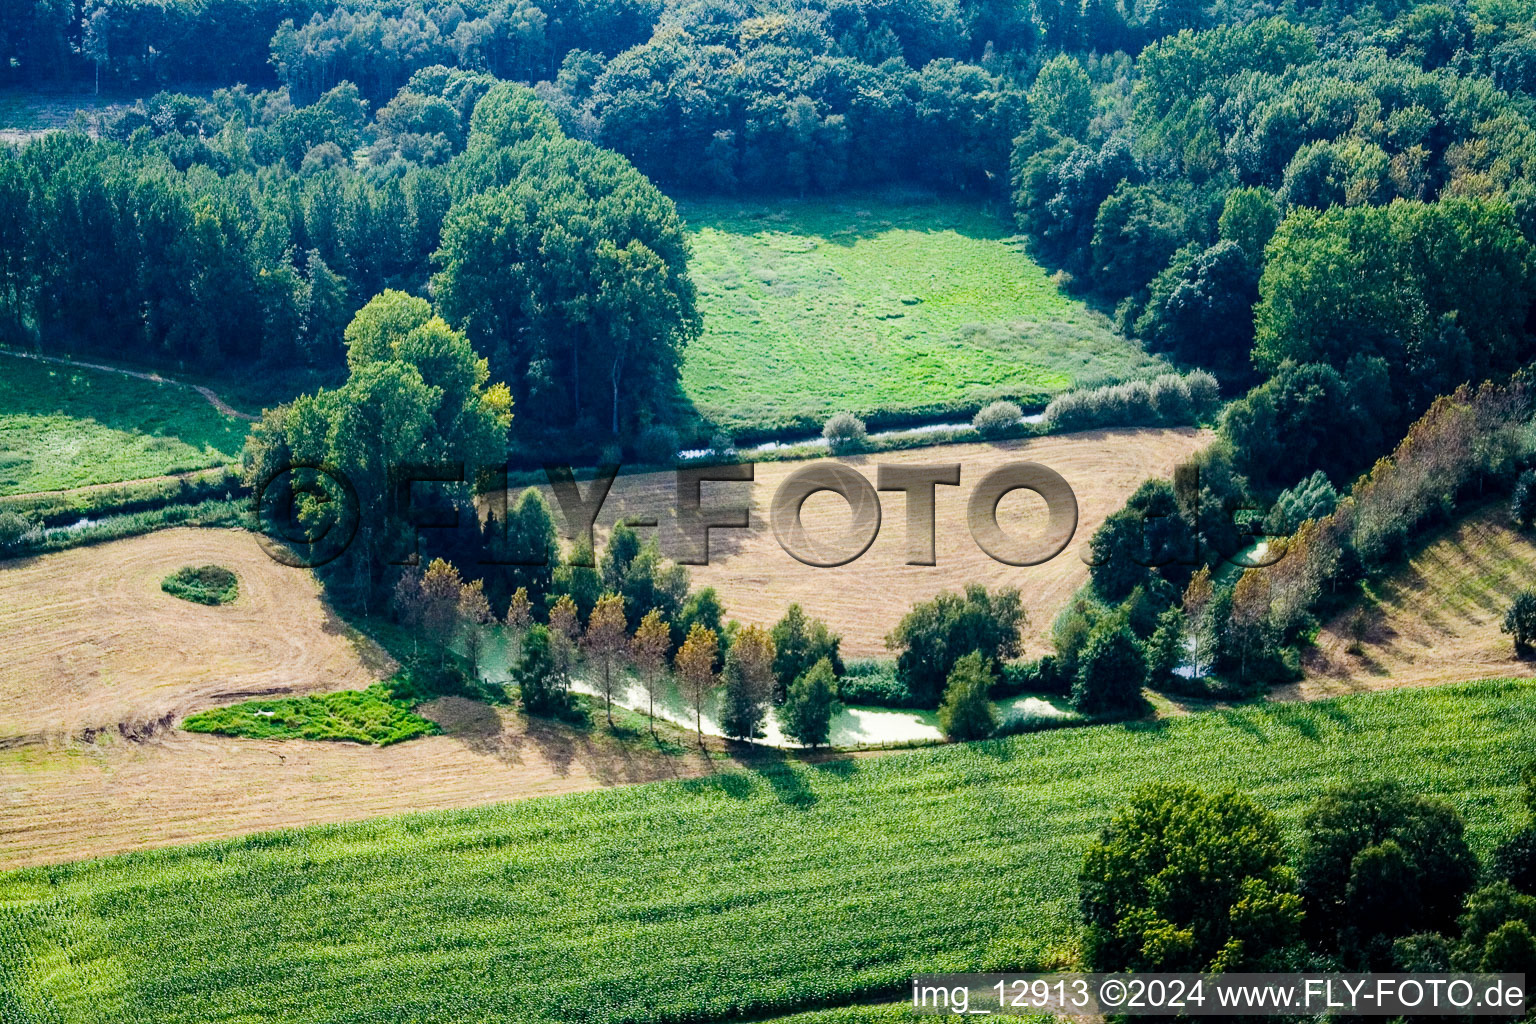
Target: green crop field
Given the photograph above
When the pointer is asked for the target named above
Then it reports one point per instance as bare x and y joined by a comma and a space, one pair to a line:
67, 426
895, 309
745, 893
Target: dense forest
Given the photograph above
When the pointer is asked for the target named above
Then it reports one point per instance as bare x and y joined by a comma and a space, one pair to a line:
1203, 170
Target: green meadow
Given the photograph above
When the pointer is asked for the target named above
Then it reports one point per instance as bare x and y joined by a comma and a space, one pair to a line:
890, 308
67, 426
748, 893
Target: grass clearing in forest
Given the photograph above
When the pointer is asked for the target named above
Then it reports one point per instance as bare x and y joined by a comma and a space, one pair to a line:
891, 308
745, 893
68, 426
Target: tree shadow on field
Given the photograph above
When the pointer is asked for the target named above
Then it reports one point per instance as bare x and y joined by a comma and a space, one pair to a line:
781, 772
477, 726
1243, 722
842, 768
556, 745
1298, 718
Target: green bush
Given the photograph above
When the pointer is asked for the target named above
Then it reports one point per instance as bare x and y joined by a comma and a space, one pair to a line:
874, 683
1169, 399
936, 634
658, 445
810, 704
1182, 880
799, 642
1379, 862
844, 432
1522, 505
1312, 498
997, 419
1043, 675
1111, 668
204, 584
966, 712
1520, 621
14, 528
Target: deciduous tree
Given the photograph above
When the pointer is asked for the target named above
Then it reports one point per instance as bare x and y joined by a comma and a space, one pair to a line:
695, 662
605, 643
653, 638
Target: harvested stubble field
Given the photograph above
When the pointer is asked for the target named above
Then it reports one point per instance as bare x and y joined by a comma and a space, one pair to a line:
1434, 620
864, 599
101, 665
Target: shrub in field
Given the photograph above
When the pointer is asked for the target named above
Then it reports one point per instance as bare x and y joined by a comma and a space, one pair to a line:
844, 432
14, 528
806, 716
1378, 863
204, 584
537, 677
1114, 406
1204, 393
1522, 505
997, 419
966, 712
1182, 880
1520, 621
1171, 400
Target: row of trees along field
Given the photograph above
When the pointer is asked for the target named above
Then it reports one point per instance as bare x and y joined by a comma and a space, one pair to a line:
628, 613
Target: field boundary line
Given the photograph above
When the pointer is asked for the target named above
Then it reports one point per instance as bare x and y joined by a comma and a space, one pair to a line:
189, 474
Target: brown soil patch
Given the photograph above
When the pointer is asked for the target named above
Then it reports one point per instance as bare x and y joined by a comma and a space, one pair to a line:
1435, 620
864, 599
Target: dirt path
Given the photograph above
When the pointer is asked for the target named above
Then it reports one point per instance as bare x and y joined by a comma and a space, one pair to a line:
1435, 620
213, 399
